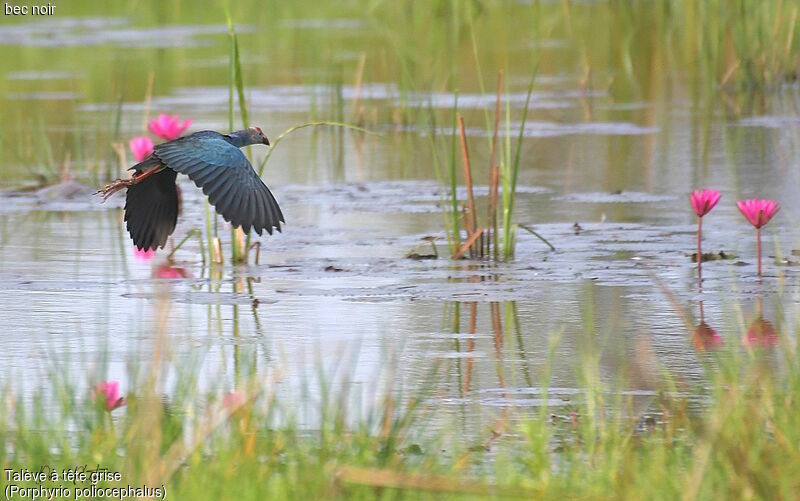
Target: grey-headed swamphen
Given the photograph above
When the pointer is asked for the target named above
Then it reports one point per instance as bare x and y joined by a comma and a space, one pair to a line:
216, 165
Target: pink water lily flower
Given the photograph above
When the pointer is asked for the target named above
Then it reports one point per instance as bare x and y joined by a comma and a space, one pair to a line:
758, 212
109, 390
168, 127
704, 200
141, 147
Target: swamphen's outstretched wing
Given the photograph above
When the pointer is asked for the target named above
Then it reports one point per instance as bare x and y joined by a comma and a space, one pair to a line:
151, 209
223, 172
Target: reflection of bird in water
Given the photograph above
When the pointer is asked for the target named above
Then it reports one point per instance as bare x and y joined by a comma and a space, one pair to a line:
166, 270
216, 164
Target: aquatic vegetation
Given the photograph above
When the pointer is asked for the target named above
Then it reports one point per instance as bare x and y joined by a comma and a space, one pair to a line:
630, 49
239, 246
486, 241
758, 212
168, 127
702, 202
606, 442
701, 418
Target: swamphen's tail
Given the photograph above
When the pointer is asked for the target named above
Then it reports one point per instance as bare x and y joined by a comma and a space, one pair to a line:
151, 209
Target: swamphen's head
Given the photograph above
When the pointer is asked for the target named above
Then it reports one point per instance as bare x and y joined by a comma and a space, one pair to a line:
257, 136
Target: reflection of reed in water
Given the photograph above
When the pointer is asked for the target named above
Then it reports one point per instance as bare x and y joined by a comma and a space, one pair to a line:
500, 314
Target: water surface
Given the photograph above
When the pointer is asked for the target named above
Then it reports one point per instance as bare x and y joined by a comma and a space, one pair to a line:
604, 177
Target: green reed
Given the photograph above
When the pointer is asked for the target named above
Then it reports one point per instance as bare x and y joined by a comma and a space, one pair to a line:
484, 240
510, 173
241, 244
235, 80
450, 205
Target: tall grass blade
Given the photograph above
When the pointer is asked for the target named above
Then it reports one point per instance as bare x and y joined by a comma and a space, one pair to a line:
437, 168
537, 235
494, 178
453, 180
510, 188
238, 244
116, 133
473, 223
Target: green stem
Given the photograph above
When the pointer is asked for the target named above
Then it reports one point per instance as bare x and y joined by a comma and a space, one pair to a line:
303, 126
699, 251
289, 131
532, 232
210, 233
508, 208
758, 250
195, 232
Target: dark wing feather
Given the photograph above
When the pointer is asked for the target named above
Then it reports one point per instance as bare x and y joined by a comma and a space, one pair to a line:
151, 209
225, 175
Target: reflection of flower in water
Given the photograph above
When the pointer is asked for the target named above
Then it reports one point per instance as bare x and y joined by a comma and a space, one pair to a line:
143, 254
706, 338
760, 333
167, 271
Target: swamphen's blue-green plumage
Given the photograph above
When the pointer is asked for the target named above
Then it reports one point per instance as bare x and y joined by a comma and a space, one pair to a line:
216, 165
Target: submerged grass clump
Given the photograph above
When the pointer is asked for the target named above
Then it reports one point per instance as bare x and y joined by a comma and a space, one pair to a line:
495, 239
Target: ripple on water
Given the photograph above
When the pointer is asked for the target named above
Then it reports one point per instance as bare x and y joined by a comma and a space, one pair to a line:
625, 197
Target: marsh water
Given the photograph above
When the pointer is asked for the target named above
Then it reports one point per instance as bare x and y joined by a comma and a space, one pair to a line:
605, 174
